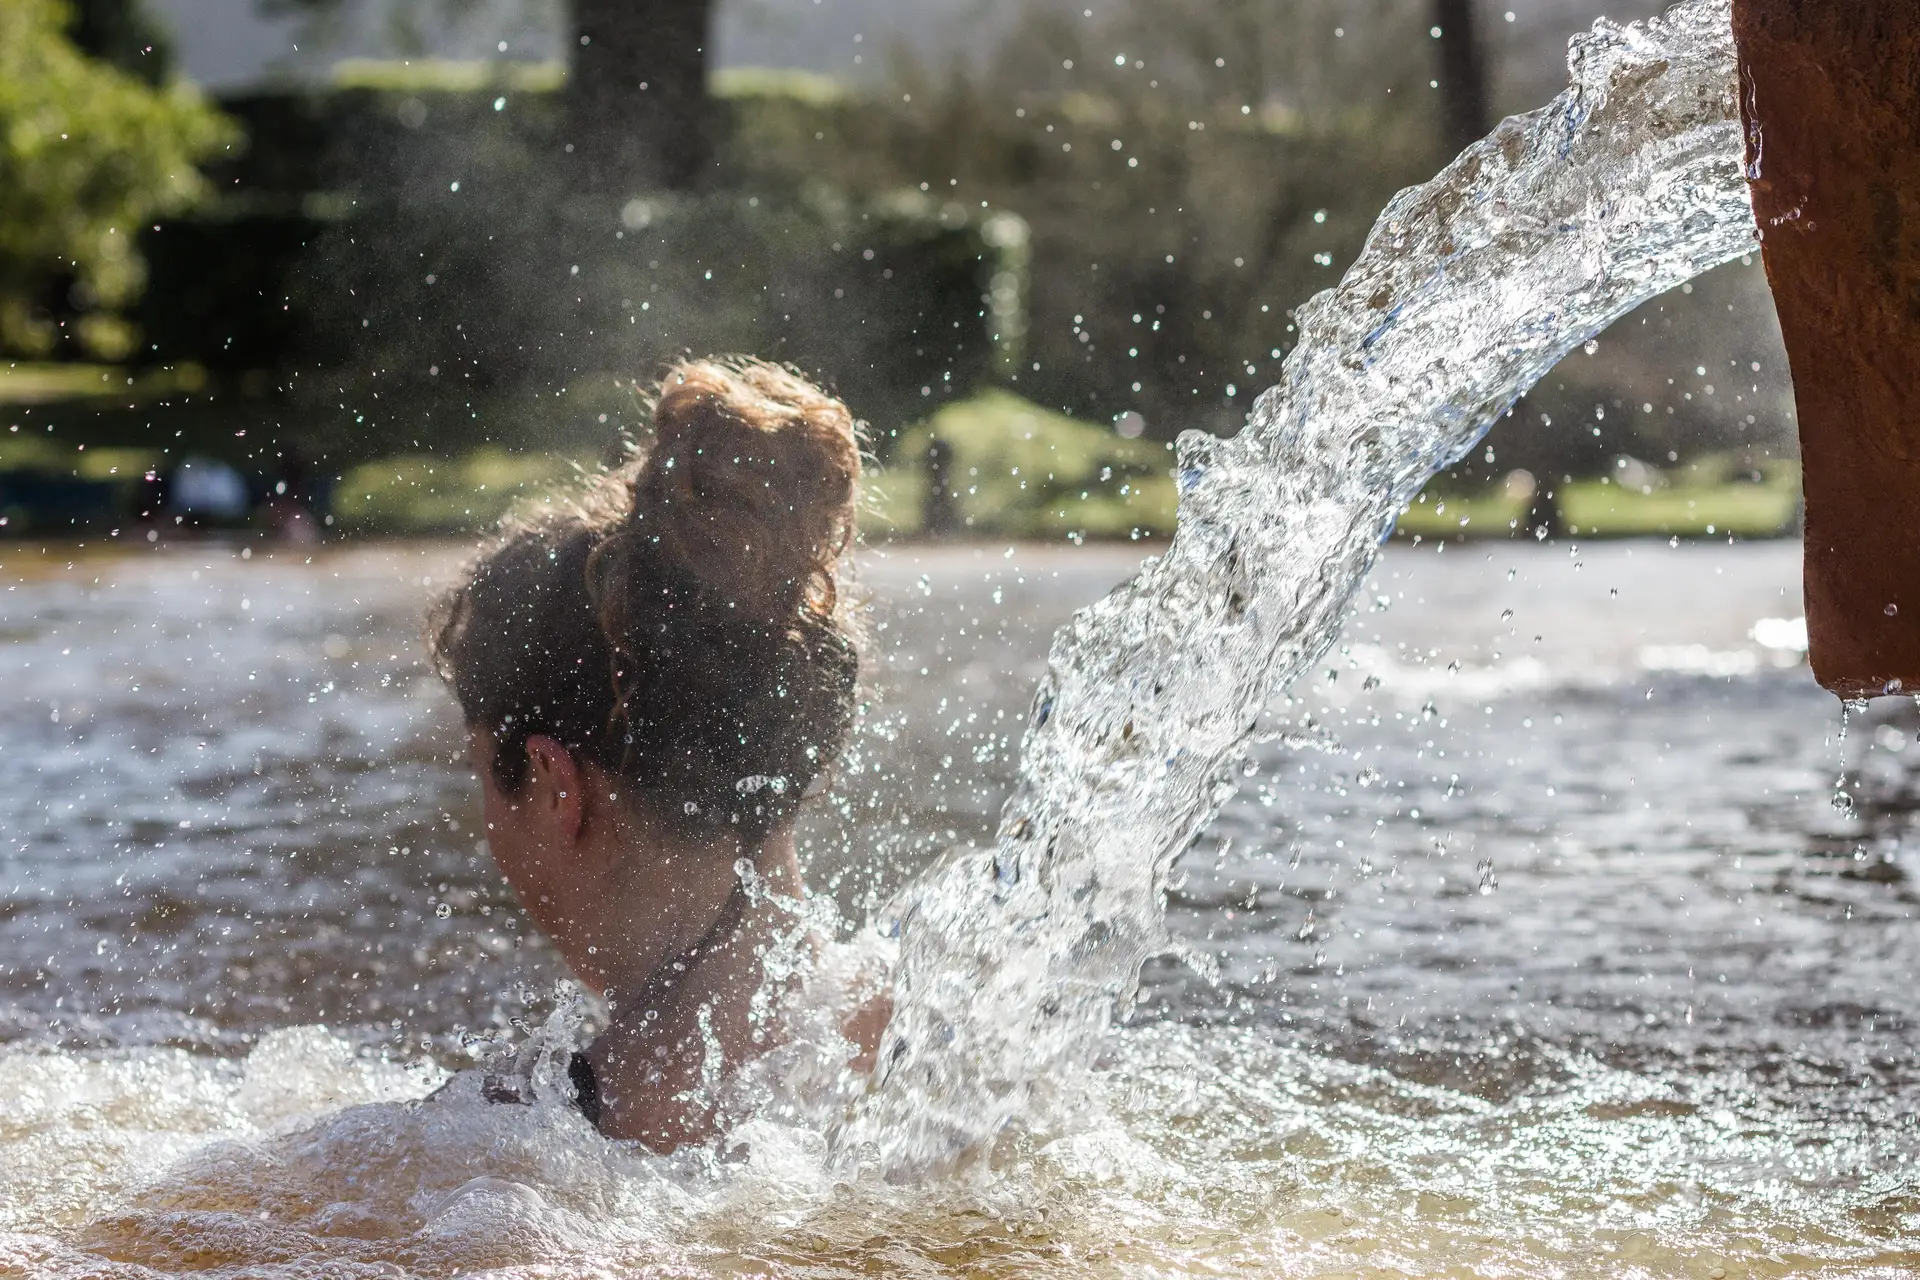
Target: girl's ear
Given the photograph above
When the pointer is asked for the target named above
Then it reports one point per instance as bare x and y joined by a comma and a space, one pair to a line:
553, 793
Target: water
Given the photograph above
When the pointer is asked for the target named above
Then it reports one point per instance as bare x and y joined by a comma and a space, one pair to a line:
1678, 1034
1525, 940
1469, 289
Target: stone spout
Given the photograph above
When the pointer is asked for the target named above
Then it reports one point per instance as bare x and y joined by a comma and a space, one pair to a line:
1830, 90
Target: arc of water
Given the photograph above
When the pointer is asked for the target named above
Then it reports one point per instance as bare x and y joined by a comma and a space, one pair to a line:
1470, 288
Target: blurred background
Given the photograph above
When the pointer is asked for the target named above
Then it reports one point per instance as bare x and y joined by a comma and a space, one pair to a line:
326, 267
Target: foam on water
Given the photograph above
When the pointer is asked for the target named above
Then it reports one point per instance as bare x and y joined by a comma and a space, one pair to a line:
1469, 289
1193, 1151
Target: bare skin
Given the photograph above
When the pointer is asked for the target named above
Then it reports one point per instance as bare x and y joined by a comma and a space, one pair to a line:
654, 922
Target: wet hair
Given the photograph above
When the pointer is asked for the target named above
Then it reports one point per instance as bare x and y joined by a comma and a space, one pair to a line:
681, 625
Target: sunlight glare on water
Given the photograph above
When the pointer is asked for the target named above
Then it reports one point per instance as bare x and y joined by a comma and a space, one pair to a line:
1394, 1071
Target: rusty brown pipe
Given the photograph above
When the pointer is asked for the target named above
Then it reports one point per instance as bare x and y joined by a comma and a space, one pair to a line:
1831, 94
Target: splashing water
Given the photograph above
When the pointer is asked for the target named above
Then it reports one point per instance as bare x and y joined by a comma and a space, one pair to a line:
1770, 1137
1470, 288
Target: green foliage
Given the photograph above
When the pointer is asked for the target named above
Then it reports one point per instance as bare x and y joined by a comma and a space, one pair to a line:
445, 75
778, 85
442, 304
1019, 471
1494, 513
88, 155
421, 493
1758, 505
1188, 170
40, 453
92, 488
1712, 497
25, 383
1101, 214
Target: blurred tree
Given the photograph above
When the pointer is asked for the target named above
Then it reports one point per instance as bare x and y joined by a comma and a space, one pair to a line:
125, 34
88, 156
1190, 171
638, 111
639, 115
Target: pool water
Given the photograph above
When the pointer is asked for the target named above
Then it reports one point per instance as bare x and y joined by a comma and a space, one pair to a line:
1555, 930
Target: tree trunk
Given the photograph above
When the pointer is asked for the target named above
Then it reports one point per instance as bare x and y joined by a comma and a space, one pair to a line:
1464, 113
638, 113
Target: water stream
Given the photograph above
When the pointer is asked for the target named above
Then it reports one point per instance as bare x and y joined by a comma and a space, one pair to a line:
1524, 940
1470, 288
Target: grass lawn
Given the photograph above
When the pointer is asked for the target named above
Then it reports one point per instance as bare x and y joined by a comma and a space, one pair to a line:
22, 452
1495, 514
1702, 499
1020, 471
1598, 509
424, 493
23, 382
1015, 471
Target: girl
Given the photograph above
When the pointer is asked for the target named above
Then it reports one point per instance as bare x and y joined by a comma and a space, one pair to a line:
651, 683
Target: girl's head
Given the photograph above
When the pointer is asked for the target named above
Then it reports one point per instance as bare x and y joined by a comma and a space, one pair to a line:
680, 629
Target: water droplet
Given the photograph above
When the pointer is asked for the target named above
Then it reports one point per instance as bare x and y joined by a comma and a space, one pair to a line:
443, 911
1848, 710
